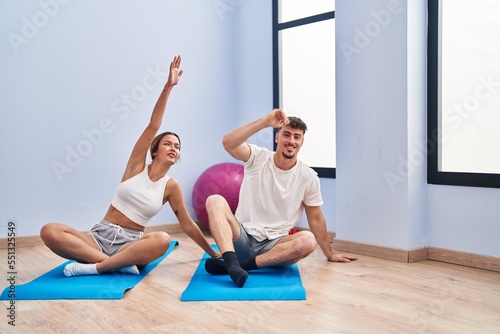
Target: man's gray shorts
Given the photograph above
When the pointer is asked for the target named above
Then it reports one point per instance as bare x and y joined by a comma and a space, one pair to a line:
247, 246
111, 237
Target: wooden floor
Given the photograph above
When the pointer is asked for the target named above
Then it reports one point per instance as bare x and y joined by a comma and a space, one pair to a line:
366, 296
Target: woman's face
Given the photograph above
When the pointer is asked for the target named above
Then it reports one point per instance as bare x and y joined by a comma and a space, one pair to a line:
168, 149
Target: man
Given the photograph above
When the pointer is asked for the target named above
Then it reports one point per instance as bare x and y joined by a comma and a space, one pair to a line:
276, 189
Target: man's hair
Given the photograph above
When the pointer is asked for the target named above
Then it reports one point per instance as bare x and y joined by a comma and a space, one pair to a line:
297, 123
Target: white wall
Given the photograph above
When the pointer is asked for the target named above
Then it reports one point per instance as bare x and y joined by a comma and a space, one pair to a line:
372, 121
465, 219
67, 68
417, 123
382, 194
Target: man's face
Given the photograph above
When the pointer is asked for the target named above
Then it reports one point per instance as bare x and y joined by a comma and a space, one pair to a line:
289, 141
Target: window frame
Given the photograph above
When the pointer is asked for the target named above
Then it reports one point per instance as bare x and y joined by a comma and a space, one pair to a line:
324, 172
434, 176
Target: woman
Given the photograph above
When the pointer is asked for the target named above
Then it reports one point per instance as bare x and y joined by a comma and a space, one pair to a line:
118, 242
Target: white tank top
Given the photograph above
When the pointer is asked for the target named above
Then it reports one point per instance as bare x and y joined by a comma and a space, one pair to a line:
139, 198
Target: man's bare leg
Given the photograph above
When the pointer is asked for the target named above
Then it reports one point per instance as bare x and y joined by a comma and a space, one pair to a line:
288, 250
225, 229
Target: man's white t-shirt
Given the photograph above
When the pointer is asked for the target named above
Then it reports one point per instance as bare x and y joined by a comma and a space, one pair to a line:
272, 200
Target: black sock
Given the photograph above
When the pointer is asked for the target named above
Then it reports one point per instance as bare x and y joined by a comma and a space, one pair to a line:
215, 267
237, 274
249, 264
218, 267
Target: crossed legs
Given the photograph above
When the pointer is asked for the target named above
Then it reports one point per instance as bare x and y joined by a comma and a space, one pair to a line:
225, 229
75, 245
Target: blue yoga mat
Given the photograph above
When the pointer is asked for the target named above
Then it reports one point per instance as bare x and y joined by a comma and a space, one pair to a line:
54, 285
282, 283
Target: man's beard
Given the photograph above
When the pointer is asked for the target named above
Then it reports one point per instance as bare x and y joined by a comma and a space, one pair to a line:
288, 156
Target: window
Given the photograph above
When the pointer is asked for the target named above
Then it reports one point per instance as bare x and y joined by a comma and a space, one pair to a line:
464, 93
304, 74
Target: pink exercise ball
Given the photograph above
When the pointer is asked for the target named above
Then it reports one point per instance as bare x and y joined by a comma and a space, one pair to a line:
223, 179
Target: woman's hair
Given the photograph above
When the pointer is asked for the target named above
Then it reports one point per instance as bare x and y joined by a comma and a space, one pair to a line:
156, 142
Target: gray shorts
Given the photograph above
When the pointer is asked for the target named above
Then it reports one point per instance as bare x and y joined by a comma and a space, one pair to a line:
247, 246
111, 237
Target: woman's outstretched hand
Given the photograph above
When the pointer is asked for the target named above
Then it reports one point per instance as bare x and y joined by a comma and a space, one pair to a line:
175, 72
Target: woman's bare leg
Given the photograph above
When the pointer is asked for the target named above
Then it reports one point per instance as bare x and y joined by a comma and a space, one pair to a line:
141, 252
75, 245
71, 244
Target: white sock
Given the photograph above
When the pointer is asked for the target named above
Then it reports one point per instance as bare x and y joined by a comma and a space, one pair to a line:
129, 270
76, 269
